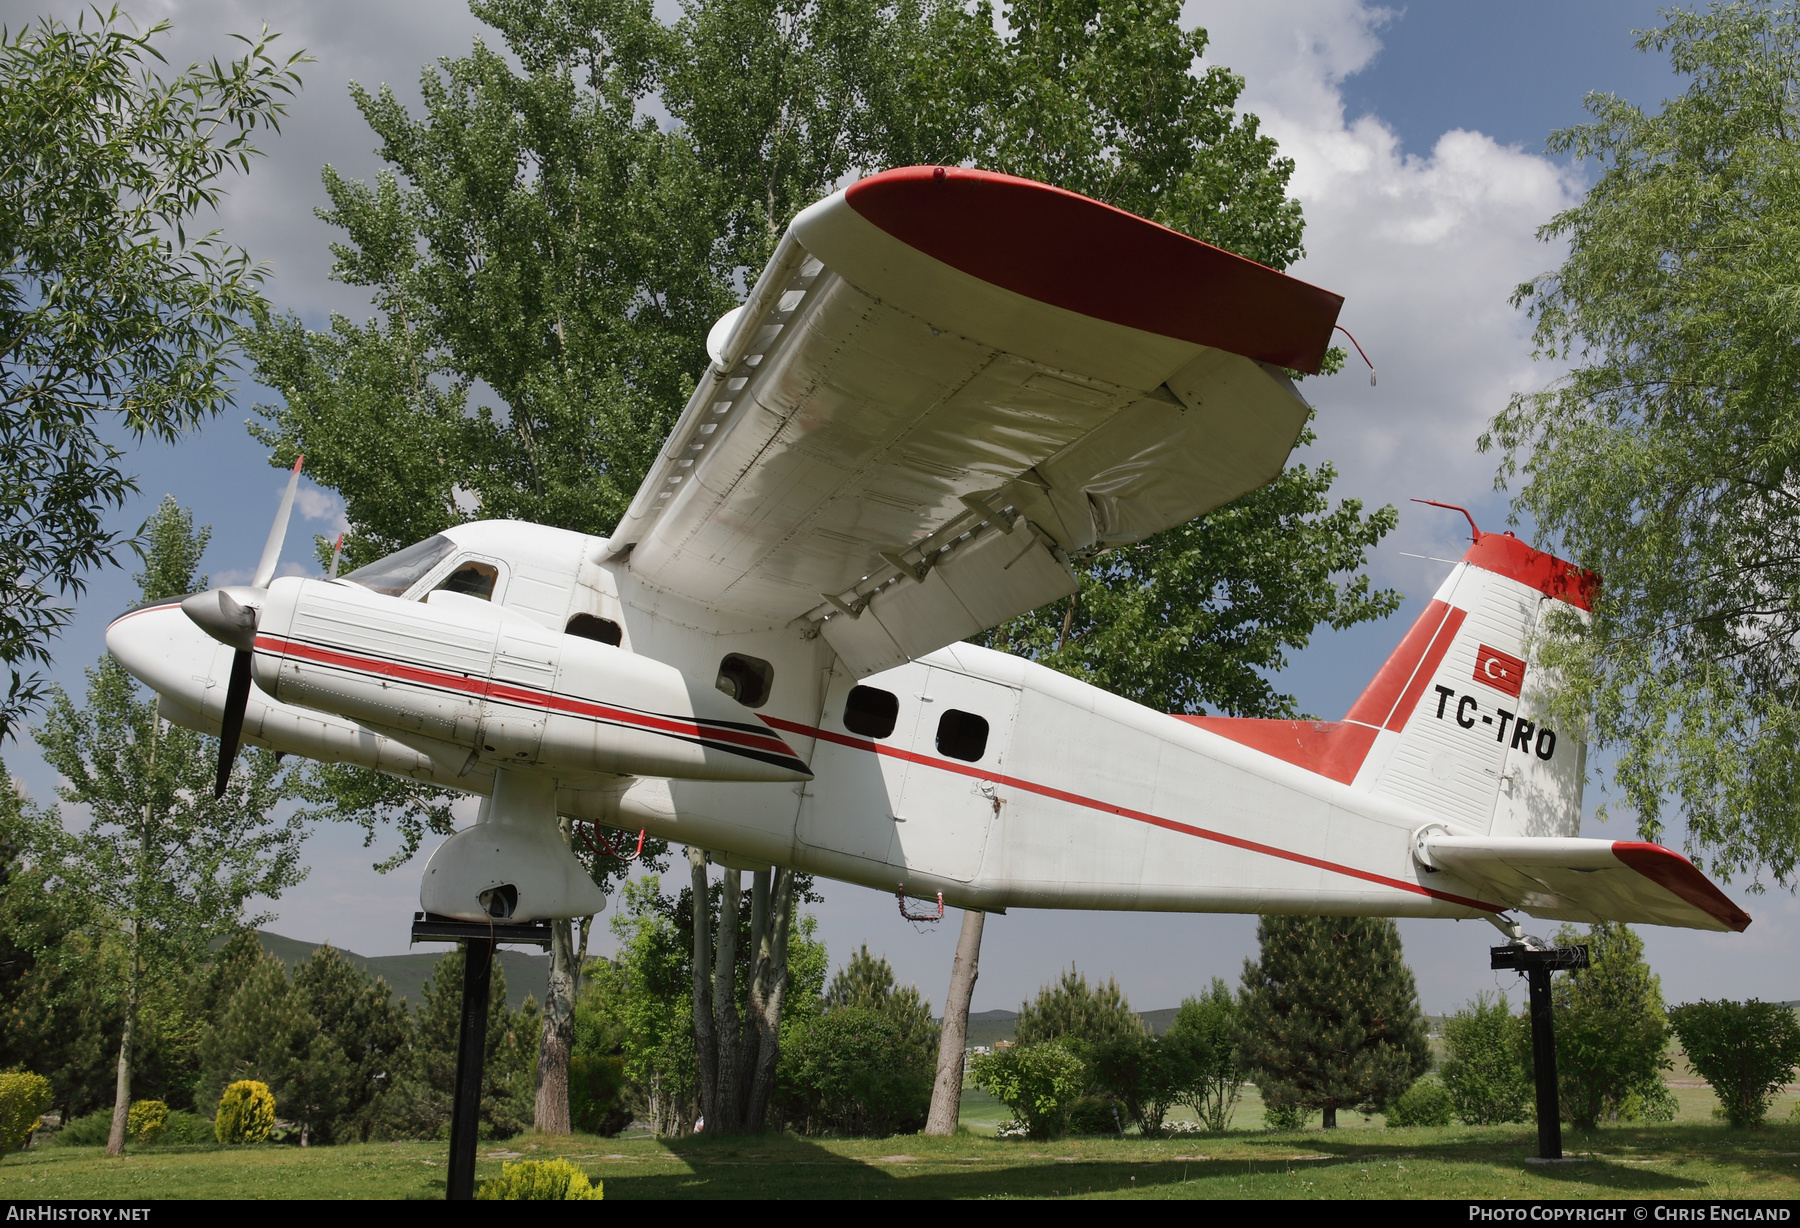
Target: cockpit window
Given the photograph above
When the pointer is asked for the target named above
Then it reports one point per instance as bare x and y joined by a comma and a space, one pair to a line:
475, 579
400, 570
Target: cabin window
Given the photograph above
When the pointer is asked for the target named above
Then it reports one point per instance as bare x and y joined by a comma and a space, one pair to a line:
472, 579
871, 711
588, 627
962, 735
746, 679
393, 574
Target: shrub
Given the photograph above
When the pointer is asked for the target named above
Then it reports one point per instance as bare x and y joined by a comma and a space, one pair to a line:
1094, 1115
1037, 1082
88, 1130
540, 1181
850, 1071
1745, 1050
1284, 1116
1487, 1064
147, 1120
595, 1104
187, 1129
24, 1099
246, 1113
1425, 1103
1141, 1075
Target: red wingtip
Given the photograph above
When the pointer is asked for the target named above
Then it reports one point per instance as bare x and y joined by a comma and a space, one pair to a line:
1679, 877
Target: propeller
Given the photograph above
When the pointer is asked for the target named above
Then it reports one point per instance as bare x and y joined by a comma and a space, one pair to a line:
229, 615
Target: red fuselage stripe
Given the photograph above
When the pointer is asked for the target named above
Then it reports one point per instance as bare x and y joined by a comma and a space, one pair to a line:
1139, 816
769, 744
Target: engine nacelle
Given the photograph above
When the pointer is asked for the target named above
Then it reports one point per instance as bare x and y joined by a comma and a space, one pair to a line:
506, 690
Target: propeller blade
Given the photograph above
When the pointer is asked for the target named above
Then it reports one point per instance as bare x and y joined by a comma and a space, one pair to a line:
337, 552
231, 729
271, 555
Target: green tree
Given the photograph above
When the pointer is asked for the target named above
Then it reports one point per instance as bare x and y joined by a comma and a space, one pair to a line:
1611, 1029
1747, 1051
358, 1016
1487, 1063
868, 981
268, 1034
1330, 1015
162, 867
419, 1105
114, 314
1070, 1009
1205, 1035
1665, 457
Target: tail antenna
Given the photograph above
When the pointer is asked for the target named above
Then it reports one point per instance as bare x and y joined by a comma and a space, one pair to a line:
1474, 530
1353, 341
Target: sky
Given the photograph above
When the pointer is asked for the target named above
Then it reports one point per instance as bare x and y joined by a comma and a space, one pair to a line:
1417, 134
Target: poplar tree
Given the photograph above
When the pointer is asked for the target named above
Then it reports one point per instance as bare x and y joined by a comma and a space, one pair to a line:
1330, 1016
162, 868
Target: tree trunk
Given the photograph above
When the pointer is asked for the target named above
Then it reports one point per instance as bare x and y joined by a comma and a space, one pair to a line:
727, 1025
1330, 1117
552, 1115
115, 1141
771, 919
706, 1049
946, 1093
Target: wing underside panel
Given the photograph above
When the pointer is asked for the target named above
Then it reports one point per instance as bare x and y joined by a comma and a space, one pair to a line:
1569, 879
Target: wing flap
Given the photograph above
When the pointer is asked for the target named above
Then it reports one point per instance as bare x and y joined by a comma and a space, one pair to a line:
1570, 879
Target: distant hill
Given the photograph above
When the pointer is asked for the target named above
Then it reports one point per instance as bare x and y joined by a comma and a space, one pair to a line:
987, 1027
405, 974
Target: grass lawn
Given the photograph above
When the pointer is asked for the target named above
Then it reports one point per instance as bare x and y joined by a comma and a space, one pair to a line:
1673, 1160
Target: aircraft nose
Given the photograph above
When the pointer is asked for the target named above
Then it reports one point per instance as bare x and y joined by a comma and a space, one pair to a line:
162, 648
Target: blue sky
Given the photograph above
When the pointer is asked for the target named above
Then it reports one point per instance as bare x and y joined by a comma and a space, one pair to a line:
1417, 133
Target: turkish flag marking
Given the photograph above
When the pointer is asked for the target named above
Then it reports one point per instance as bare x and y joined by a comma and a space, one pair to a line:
1500, 670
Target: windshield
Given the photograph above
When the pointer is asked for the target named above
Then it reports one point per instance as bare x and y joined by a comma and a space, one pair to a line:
400, 570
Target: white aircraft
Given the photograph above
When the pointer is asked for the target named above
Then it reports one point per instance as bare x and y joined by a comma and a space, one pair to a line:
945, 385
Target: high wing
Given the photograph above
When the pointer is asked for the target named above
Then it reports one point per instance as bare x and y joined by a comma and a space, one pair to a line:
946, 383
1570, 879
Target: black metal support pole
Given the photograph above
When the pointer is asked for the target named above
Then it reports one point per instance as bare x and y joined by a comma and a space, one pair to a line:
1543, 1064
471, 1050
1537, 963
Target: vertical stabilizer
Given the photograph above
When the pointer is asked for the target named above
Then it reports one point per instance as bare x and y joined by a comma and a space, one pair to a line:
1454, 723
1468, 735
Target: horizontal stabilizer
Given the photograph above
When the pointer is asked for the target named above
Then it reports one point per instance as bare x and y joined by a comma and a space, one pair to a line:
1565, 879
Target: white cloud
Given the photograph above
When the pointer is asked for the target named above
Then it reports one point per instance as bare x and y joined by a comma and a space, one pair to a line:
1426, 251
315, 504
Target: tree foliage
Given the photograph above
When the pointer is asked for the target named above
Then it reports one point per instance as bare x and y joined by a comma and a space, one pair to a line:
1487, 1063
1747, 1051
1611, 1030
1330, 1015
162, 867
1069, 1008
1205, 1034
116, 320
1038, 1082
1666, 457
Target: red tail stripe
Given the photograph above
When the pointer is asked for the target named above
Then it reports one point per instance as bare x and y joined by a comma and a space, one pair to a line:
767, 743
1427, 669
1377, 702
1139, 816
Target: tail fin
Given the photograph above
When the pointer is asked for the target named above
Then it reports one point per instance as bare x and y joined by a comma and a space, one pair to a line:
1454, 723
